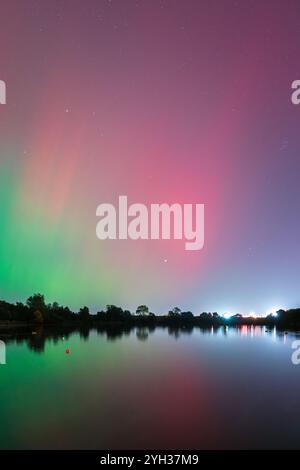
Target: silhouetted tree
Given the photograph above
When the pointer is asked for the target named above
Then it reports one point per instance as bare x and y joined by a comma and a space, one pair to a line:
206, 317
187, 315
114, 313
84, 314
142, 310
36, 302
174, 313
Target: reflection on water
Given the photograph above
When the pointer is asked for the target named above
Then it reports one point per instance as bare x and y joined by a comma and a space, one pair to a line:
36, 338
116, 387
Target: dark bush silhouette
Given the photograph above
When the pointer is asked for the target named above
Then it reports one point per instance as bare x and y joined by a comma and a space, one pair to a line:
36, 312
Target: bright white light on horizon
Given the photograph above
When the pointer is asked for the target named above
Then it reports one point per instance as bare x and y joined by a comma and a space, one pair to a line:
272, 311
227, 315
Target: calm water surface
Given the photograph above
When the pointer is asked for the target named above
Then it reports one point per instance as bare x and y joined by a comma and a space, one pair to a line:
230, 388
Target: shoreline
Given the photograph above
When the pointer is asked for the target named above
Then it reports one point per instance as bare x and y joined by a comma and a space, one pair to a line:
162, 322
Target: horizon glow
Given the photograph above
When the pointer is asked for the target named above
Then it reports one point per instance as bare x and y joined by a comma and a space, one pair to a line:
162, 103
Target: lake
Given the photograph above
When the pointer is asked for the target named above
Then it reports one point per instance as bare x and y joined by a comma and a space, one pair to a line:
149, 389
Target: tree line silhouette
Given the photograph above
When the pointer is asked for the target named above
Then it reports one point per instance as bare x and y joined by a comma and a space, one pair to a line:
36, 311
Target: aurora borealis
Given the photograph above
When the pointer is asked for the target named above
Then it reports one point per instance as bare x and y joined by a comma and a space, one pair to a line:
164, 101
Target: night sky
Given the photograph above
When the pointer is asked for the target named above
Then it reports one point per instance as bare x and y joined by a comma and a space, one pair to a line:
164, 101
